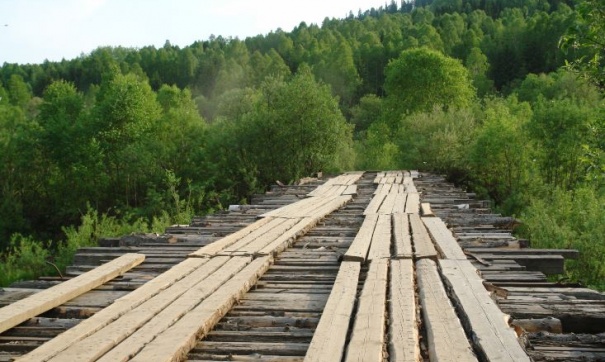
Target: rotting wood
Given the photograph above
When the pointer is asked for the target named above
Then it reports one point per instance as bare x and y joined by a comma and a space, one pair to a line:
403, 325
368, 333
493, 338
446, 337
45, 300
329, 339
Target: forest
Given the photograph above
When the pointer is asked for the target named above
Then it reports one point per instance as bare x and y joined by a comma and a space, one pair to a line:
505, 97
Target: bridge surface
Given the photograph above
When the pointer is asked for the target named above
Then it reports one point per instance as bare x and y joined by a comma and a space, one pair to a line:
365, 266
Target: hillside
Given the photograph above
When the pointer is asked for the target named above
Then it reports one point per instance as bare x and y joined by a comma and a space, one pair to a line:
124, 139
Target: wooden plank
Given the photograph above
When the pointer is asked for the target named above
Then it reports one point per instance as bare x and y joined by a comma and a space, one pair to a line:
399, 207
375, 203
389, 202
358, 251
118, 308
174, 343
280, 243
329, 339
445, 242
47, 299
380, 248
423, 245
412, 204
403, 326
493, 338
351, 190
401, 236
566, 253
176, 311
367, 336
258, 240
217, 246
425, 209
203, 280
446, 339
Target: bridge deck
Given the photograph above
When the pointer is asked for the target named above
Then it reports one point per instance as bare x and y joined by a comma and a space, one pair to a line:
369, 267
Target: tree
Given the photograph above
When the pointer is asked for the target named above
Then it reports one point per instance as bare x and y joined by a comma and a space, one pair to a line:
421, 79
587, 36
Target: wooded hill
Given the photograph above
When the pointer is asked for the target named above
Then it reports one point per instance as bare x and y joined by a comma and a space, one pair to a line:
478, 90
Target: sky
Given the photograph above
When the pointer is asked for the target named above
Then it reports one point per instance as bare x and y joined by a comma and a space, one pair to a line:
32, 31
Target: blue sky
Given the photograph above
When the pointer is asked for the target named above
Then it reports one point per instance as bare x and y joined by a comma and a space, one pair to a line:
34, 30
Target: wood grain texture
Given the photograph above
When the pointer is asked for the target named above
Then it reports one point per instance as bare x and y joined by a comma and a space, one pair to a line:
445, 242
47, 299
403, 325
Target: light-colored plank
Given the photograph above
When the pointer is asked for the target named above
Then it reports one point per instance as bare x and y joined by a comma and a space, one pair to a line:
36, 304
445, 337
494, 339
206, 278
174, 312
389, 202
265, 235
412, 204
399, 206
423, 245
375, 203
402, 237
445, 242
351, 190
180, 338
112, 312
217, 246
283, 241
403, 327
358, 251
380, 248
425, 209
367, 336
329, 339
329, 207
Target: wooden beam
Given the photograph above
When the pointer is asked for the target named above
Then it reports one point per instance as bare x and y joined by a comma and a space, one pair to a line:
112, 312
403, 325
425, 209
178, 297
367, 336
47, 299
358, 251
446, 338
329, 339
423, 245
217, 246
412, 204
402, 237
445, 242
494, 339
174, 343
380, 247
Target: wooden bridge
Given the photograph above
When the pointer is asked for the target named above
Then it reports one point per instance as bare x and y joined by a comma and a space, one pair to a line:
387, 266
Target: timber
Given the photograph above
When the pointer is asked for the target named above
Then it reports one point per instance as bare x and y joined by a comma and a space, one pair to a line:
446, 337
403, 324
45, 300
329, 339
367, 336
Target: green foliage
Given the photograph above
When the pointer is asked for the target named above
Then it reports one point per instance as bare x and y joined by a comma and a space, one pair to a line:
25, 259
571, 220
421, 79
377, 151
499, 157
438, 140
586, 36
